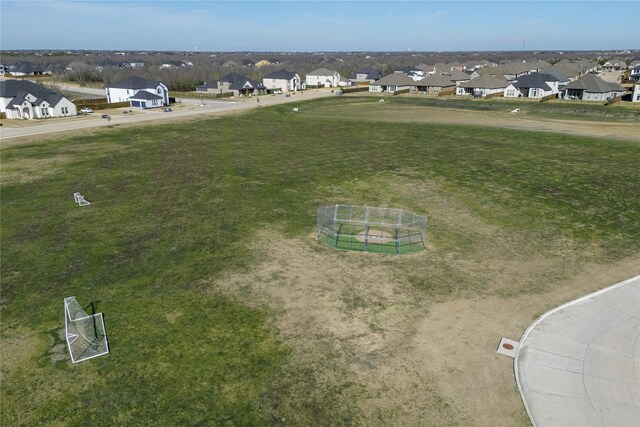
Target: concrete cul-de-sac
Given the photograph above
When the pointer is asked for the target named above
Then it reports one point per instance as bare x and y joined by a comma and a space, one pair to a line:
579, 364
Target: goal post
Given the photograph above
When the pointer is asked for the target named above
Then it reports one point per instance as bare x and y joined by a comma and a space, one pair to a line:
85, 333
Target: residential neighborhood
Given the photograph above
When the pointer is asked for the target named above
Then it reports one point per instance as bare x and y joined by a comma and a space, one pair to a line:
569, 78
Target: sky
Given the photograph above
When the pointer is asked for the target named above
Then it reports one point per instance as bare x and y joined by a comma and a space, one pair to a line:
299, 25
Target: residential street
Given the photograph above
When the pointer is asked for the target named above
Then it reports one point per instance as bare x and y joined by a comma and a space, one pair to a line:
186, 108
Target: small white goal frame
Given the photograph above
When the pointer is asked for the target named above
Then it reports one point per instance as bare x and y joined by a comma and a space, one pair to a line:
80, 200
84, 346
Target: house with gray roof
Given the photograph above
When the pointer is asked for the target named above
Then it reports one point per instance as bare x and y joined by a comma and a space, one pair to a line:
440, 68
210, 87
536, 85
365, 76
240, 85
323, 77
413, 72
591, 88
433, 85
615, 64
176, 64
26, 68
458, 77
574, 68
22, 99
428, 69
145, 99
562, 79
483, 86
282, 80
127, 89
392, 83
511, 70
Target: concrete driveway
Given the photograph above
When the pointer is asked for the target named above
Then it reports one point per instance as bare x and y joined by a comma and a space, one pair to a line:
579, 364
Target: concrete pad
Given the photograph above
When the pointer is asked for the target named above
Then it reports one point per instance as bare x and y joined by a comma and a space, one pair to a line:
579, 364
508, 347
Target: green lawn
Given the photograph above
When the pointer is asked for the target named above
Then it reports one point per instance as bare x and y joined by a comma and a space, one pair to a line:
176, 206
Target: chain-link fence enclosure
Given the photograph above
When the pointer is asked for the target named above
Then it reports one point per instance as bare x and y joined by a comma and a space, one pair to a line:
368, 229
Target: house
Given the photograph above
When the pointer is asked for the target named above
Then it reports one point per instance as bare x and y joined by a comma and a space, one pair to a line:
239, 85
344, 82
534, 85
458, 77
414, 73
108, 63
323, 77
636, 93
77, 66
483, 86
145, 99
127, 89
3, 70
211, 87
615, 64
136, 63
562, 79
283, 80
440, 68
511, 70
435, 84
456, 66
634, 74
574, 68
392, 83
591, 88
25, 68
428, 69
364, 76
474, 65
176, 64
22, 99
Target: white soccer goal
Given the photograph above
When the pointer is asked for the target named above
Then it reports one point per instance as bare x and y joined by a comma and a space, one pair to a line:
80, 200
85, 333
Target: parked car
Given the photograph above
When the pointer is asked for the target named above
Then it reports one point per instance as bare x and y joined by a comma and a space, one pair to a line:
86, 110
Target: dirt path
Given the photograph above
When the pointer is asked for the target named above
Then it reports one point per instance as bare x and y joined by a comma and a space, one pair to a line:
610, 129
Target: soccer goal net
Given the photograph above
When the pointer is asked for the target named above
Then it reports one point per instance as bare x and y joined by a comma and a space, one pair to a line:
85, 333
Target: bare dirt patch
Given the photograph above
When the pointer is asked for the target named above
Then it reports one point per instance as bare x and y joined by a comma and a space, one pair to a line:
412, 340
374, 235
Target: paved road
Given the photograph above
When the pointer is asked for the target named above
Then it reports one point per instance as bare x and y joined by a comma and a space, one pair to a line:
579, 364
188, 107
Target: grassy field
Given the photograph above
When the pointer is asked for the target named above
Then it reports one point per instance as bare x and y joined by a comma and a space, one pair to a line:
222, 309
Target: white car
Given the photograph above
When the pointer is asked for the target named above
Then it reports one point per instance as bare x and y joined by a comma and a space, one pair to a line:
86, 110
